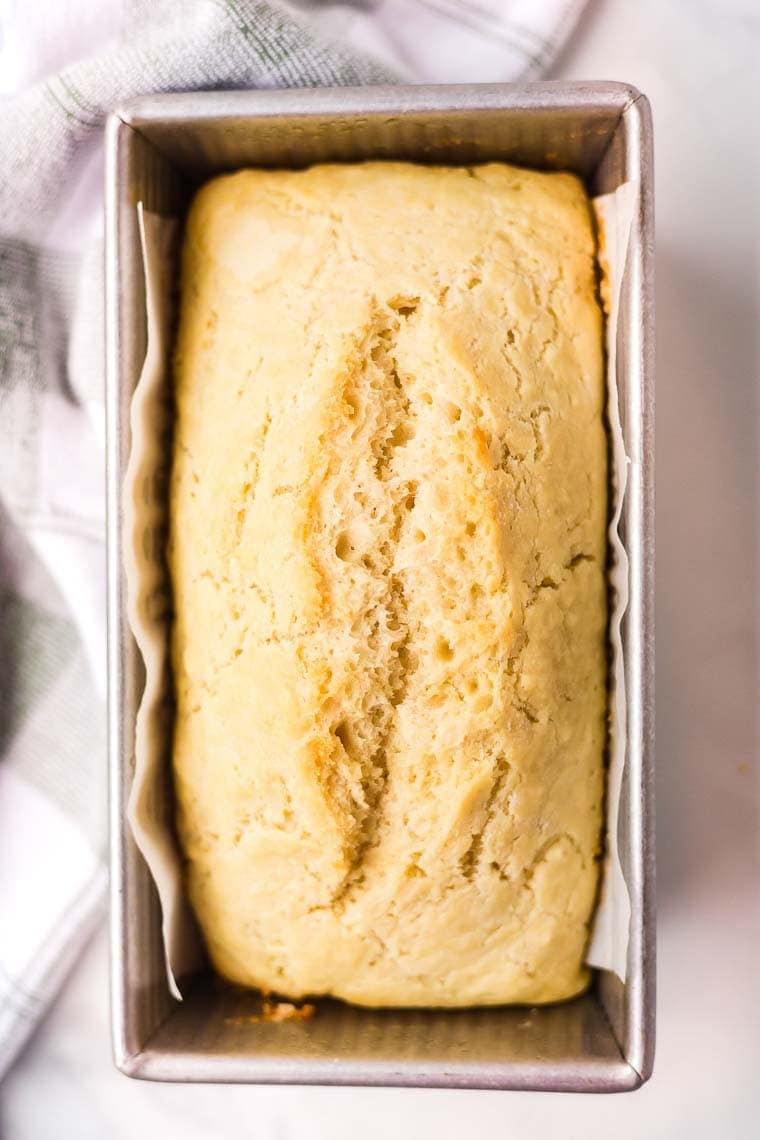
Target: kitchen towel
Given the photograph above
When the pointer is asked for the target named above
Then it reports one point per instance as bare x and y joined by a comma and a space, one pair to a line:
63, 67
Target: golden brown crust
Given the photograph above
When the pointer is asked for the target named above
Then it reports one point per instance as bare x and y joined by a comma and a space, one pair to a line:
388, 555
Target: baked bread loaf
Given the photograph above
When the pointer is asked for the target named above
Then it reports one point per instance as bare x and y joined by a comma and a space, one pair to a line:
388, 512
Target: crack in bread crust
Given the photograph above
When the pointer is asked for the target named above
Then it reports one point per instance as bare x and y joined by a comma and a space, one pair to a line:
365, 517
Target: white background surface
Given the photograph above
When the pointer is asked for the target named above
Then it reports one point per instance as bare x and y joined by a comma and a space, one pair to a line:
699, 63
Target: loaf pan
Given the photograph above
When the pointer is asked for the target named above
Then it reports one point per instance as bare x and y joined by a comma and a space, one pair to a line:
159, 149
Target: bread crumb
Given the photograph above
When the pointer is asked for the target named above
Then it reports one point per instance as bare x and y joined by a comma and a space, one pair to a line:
275, 1011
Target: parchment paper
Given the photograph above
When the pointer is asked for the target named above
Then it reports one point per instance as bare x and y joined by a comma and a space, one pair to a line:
608, 945
150, 805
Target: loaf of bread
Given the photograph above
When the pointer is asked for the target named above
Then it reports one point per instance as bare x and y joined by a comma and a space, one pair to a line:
388, 513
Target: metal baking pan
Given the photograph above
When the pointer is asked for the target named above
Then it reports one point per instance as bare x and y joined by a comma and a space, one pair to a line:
158, 149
